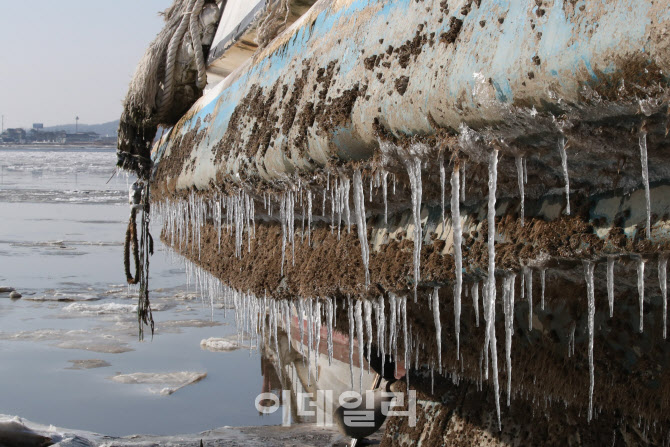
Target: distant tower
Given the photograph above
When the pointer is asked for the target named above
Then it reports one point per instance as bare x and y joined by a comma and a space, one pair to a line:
76, 125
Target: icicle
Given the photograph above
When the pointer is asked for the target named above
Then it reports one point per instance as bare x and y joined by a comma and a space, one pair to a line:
443, 180
332, 207
381, 331
350, 312
385, 190
610, 283
413, 166
438, 326
301, 312
367, 308
359, 206
564, 164
302, 232
329, 317
310, 339
347, 211
463, 182
282, 218
392, 323
519, 173
588, 271
361, 342
491, 295
309, 217
323, 205
663, 282
370, 195
525, 171
508, 308
406, 341
543, 273
458, 258
475, 301
645, 179
528, 274
571, 340
640, 290
487, 333
338, 205
291, 224
317, 333
287, 306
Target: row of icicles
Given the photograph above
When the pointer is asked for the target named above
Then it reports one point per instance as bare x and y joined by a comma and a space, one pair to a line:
185, 218
260, 317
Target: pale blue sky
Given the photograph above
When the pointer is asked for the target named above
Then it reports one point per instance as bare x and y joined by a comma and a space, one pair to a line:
63, 58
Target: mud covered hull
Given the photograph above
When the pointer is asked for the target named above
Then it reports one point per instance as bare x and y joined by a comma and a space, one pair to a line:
253, 184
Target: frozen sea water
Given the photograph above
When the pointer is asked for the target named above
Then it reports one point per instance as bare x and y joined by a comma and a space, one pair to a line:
61, 247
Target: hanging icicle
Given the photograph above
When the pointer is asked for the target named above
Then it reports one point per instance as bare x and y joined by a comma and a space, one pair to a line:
663, 282
528, 279
443, 179
329, 318
475, 301
438, 327
640, 290
491, 293
564, 164
520, 180
543, 273
350, 312
588, 271
367, 308
359, 206
645, 179
458, 257
610, 284
358, 313
385, 191
413, 166
508, 308
462, 182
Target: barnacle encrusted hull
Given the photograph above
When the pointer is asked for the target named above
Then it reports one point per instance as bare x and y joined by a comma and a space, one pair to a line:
385, 115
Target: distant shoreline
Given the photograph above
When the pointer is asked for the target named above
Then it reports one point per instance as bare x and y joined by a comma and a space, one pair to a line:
56, 145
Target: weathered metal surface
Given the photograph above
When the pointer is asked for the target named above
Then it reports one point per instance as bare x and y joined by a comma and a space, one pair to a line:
236, 38
503, 67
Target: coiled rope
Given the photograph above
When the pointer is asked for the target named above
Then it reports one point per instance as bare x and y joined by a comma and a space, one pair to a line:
195, 30
190, 20
139, 195
131, 241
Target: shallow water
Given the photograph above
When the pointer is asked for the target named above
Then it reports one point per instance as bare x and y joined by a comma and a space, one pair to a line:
61, 247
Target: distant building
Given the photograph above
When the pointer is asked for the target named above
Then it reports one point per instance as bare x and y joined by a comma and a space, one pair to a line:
37, 135
82, 137
40, 136
17, 136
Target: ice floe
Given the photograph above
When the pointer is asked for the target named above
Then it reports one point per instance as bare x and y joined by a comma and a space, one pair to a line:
166, 383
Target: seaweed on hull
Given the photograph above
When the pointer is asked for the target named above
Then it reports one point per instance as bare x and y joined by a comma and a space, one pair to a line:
168, 80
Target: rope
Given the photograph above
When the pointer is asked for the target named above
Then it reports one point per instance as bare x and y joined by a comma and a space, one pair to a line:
194, 30
142, 251
131, 240
190, 20
168, 84
144, 315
